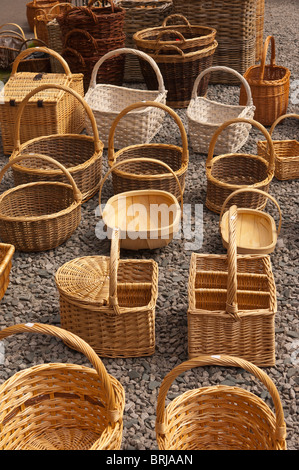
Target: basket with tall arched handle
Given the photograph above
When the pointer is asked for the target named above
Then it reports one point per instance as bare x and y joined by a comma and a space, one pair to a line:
83, 405
232, 303
220, 417
10, 42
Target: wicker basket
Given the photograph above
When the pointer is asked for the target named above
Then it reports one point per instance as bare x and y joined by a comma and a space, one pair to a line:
10, 43
33, 7
6, 254
286, 153
221, 417
141, 175
43, 17
36, 61
110, 303
80, 154
231, 171
270, 85
232, 304
83, 405
39, 216
60, 115
205, 116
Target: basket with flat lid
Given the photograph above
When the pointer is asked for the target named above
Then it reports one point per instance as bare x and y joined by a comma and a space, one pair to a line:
6, 254
10, 43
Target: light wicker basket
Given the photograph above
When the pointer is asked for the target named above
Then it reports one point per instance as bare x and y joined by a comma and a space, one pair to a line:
286, 153
10, 43
39, 216
107, 101
231, 171
141, 175
232, 304
52, 112
221, 417
205, 116
83, 406
110, 303
79, 153
33, 8
6, 254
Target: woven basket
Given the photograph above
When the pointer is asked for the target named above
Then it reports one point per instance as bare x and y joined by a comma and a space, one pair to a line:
52, 112
231, 171
80, 154
6, 254
39, 216
232, 304
36, 61
221, 417
286, 153
110, 303
10, 43
107, 101
269, 85
83, 405
205, 116
32, 9
141, 175
43, 17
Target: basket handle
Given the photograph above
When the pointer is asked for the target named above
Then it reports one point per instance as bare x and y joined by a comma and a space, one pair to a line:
172, 31
173, 114
36, 39
264, 55
84, 10
11, 34
281, 118
126, 50
79, 345
224, 69
82, 32
271, 162
21, 32
251, 190
75, 53
64, 4
97, 143
231, 299
176, 16
222, 361
29, 51
172, 47
114, 261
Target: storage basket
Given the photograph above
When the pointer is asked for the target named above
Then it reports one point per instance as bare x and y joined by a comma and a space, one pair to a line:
33, 7
148, 175
232, 304
231, 171
286, 153
83, 405
79, 153
221, 417
110, 303
205, 116
52, 112
10, 43
36, 61
43, 17
270, 85
6, 254
107, 101
42, 215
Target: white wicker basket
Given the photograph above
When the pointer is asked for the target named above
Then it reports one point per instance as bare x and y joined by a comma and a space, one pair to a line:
107, 101
205, 116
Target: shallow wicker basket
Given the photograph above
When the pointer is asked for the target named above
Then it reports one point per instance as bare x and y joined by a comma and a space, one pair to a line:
10, 43
286, 153
231, 171
6, 254
221, 417
107, 101
79, 153
83, 405
205, 116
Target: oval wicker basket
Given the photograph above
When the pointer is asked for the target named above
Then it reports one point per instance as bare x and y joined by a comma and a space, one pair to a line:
6, 254
83, 405
34, 6
221, 417
10, 43
80, 154
231, 171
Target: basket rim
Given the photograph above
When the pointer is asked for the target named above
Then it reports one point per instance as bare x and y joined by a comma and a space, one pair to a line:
193, 102
260, 82
182, 57
138, 36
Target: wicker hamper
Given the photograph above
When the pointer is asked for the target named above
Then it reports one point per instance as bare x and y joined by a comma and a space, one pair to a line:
10, 43
60, 406
221, 417
6, 254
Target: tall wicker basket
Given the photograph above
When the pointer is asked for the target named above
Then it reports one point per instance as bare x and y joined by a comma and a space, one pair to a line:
33, 7
6, 254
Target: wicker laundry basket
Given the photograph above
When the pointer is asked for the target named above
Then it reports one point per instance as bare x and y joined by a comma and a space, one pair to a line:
286, 153
205, 116
107, 101
110, 303
83, 405
79, 153
33, 8
6, 254
231, 171
36, 61
39, 216
10, 43
221, 417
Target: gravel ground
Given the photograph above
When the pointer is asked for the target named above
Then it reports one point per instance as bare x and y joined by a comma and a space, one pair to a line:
32, 294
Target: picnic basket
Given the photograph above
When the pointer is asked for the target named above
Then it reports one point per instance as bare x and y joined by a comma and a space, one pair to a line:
205, 116
270, 85
6, 254
110, 303
79, 153
221, 417
230, 171
33, 7
48, 113
10, 43
39, 216
83, 405
286, 153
